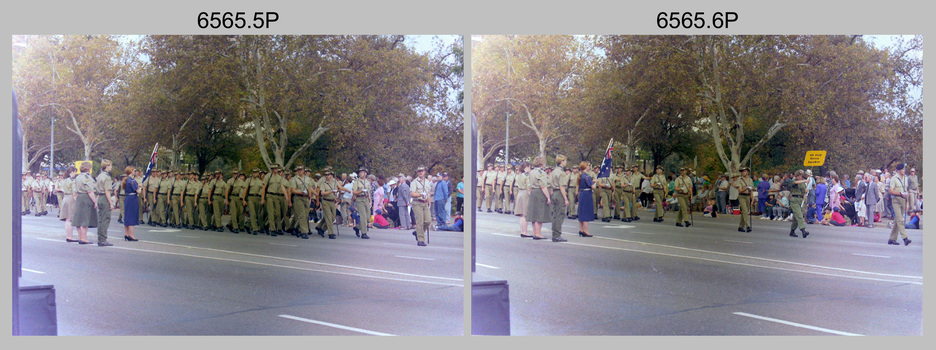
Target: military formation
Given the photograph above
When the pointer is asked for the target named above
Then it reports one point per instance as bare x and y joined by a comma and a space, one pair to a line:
274, 203
499, 186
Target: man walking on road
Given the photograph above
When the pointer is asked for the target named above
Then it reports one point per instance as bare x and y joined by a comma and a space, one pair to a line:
797, 193
559, 181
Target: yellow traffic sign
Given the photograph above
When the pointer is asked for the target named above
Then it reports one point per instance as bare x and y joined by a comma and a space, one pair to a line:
814, 158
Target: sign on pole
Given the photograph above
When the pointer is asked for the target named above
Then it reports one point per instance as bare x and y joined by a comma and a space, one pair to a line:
814, 158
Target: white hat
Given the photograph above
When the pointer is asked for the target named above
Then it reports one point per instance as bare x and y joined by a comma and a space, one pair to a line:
353, 175
391, 183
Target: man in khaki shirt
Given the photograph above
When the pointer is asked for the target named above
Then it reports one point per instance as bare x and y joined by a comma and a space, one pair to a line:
361, 190
499, 189
559, 182
490, 177
106, 201
617, 191
898, 189
509, 187
683, 192
419, 191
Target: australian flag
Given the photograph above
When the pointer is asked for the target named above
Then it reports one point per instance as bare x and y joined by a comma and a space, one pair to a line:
152, 163
606, 164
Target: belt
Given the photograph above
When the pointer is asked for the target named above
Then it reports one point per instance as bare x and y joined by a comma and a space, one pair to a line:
797, 196
99, 194
253, 195
218, 195
586, 189
132, 194
628, 191
274, 194
190, 195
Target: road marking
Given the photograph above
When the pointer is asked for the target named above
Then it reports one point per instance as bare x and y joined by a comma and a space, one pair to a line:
327, 324
284, 245
33, 271
619, 226
873, 256
794, 324
51, 240
461, 281
742, 256
643, 233
487, 266
753, 265
504, 234
166, 230
187, 236
412, 257
728, 240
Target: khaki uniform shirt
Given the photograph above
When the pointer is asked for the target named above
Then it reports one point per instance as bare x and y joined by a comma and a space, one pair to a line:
68, 186
509, 180
658, 182
558, 179
84, 183
683, 186
165, 185
104, 182
237, 189
423, 187
254, 186
501, 177
743, 184
489, 177
178, 186
523, 181
538, 179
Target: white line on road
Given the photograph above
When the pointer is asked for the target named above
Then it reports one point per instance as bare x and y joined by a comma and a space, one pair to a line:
643, 233
873, 256
794, 324
504, 234
336, 326
412, 257
619, 226
728, 240
188, 236
51, 240
166, 230
487, 266
284, 245
33, 271
745, 257
460, 282
754, 265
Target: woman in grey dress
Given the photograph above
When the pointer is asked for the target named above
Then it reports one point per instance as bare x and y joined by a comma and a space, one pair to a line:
539, 206
67, 206
85, 213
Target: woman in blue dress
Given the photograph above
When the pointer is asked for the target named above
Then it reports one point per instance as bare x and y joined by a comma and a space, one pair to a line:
131, 205
586, 209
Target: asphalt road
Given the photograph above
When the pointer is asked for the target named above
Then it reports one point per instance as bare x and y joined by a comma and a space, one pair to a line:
186, 282
647, 278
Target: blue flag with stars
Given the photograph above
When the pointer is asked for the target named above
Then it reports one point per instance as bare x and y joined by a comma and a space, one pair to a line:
152, 163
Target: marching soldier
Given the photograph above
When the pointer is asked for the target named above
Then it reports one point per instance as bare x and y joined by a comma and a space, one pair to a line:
796, 203
419, 191
361, 190
190, 199
175, 201
509, 189
745, 186
152, 186
254, 192
59, 194
635, 178
617, 191
217, 201
165, 191
329, 201
271, 198
490, 177
237, 200
35, 187
683, 189
27, 192
204, 197
658, 184
627, 196
46, 185
499, 189
299, 196
604, 194
898, 189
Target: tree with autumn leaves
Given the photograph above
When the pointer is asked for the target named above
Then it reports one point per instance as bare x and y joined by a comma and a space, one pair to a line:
730, 101
238, 102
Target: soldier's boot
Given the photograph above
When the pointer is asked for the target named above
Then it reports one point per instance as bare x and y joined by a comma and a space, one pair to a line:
793, 233
804, 232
